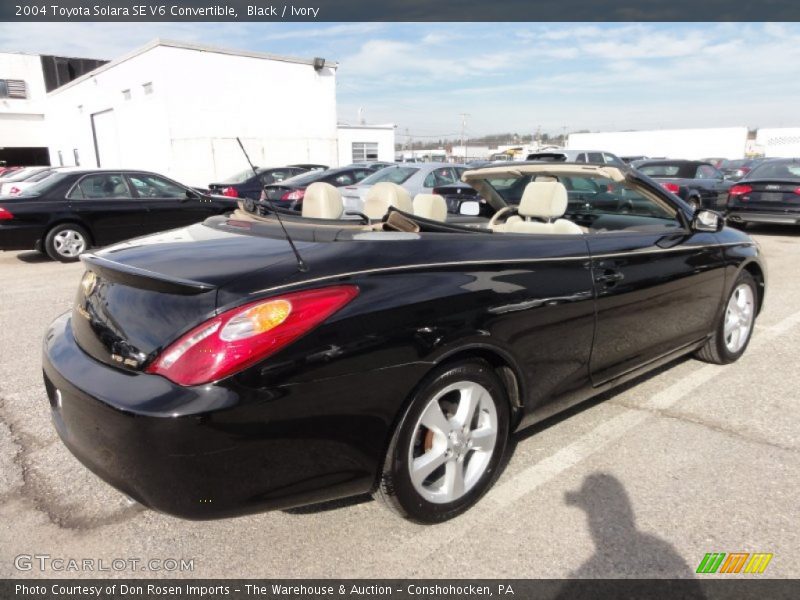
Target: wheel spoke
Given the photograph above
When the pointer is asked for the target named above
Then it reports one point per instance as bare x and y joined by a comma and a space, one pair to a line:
483, 439
433, 418
454, 480
470, 398
426, 464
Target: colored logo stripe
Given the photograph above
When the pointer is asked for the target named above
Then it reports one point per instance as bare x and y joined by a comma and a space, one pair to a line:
735, 562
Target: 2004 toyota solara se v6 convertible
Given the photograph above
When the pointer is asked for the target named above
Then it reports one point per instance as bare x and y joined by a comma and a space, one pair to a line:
216, 370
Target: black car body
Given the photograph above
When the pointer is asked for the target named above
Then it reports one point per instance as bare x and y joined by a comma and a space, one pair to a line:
93, 207
289, 193
246, 184
699, 183
770, 193
544, 321
736, 169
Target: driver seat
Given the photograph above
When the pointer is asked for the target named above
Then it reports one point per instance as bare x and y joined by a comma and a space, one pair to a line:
545, 200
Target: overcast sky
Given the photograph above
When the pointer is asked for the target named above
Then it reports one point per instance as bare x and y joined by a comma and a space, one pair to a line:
508, 76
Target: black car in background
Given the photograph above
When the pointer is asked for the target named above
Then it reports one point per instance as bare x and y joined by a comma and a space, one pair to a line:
699, 183
310, 167
71, 211
769, 194
289, 193
245, 184
735, 169
455, 194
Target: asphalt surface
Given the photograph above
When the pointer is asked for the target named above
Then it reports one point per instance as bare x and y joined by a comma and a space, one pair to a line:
642, 482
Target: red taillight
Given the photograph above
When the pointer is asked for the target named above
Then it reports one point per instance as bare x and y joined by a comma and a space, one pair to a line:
5, 214
241, 337
671, 187
740, 190
230, 192
797, 191
294, 195
14, 191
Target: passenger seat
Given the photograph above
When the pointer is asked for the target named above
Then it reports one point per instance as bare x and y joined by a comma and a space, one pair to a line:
545, 200
383, 195
322, 201
430, 206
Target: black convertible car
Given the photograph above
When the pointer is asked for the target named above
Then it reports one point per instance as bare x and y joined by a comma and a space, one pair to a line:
72, 210
216, 372
699, 183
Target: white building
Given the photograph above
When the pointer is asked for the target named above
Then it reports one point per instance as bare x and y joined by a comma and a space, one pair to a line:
178, 108
723, 142
25, 80
778, 141
360, 143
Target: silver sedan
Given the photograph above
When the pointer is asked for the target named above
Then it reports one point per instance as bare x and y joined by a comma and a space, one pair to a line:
416, 178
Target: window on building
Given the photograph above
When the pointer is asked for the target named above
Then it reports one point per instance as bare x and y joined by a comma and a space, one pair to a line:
126, 94
365, 151
13, 88
148, 87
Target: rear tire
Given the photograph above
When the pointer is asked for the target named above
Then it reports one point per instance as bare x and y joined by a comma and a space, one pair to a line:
66, 242
447, 449
735, 327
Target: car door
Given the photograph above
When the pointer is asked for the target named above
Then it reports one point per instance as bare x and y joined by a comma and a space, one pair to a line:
168, 204
657, 283
105, 203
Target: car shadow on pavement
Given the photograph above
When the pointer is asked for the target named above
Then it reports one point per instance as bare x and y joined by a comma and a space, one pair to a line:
622, 550
322, 507
33, 257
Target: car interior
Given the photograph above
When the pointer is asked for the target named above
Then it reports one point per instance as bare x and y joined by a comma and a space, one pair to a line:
554, 202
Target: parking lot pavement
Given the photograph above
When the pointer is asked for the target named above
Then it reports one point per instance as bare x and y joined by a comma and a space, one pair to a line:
692, 459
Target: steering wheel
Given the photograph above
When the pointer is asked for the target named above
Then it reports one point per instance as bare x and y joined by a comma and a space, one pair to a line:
496, 216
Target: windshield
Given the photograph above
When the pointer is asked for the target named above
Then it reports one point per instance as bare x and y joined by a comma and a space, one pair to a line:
681, 170
392, 174
305, 178
777, 170
241, 177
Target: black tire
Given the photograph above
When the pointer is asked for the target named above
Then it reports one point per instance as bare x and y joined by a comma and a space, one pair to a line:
55, 248
396, 489
715, 350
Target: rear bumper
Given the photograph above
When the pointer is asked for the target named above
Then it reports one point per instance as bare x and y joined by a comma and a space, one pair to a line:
744, 216
215, 451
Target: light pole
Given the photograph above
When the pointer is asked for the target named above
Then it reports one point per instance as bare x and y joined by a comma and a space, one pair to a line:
463, 128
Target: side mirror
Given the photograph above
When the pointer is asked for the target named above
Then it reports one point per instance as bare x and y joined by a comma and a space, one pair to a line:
707, 220
470, 208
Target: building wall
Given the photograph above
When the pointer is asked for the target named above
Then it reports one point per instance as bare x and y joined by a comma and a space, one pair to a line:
22, 121
381, 135
727, 142
779, 142
200, 101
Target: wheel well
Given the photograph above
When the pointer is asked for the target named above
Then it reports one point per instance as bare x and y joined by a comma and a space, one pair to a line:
757, 274
504, 370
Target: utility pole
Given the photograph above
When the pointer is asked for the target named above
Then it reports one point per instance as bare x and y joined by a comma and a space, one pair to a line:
463, 129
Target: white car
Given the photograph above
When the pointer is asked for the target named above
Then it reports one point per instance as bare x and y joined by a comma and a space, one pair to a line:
416, 178
594, 157
24, 178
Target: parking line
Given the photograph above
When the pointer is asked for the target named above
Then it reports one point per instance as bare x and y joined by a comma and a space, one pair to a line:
534, 476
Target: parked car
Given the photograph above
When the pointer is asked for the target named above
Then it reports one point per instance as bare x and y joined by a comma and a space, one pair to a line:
289, 193
716, 162
70, 211
311, 167
770, 193
629, 159
697, 182
216, 374
416, 178
245, 184
8, 171
734, 170
595, 157
456, 194
12, 187
7, 183
372, 165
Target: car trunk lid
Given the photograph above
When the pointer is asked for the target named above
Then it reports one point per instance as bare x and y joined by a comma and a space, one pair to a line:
770, 195
137, 297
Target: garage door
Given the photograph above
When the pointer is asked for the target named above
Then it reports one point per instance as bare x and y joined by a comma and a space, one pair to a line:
106, 139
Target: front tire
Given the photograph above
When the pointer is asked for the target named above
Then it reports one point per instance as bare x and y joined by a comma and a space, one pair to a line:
735, 327
66, 242
447, 448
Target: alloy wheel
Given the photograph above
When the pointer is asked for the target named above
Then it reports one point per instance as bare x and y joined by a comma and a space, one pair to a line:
453, 442
739, 318
69, 243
